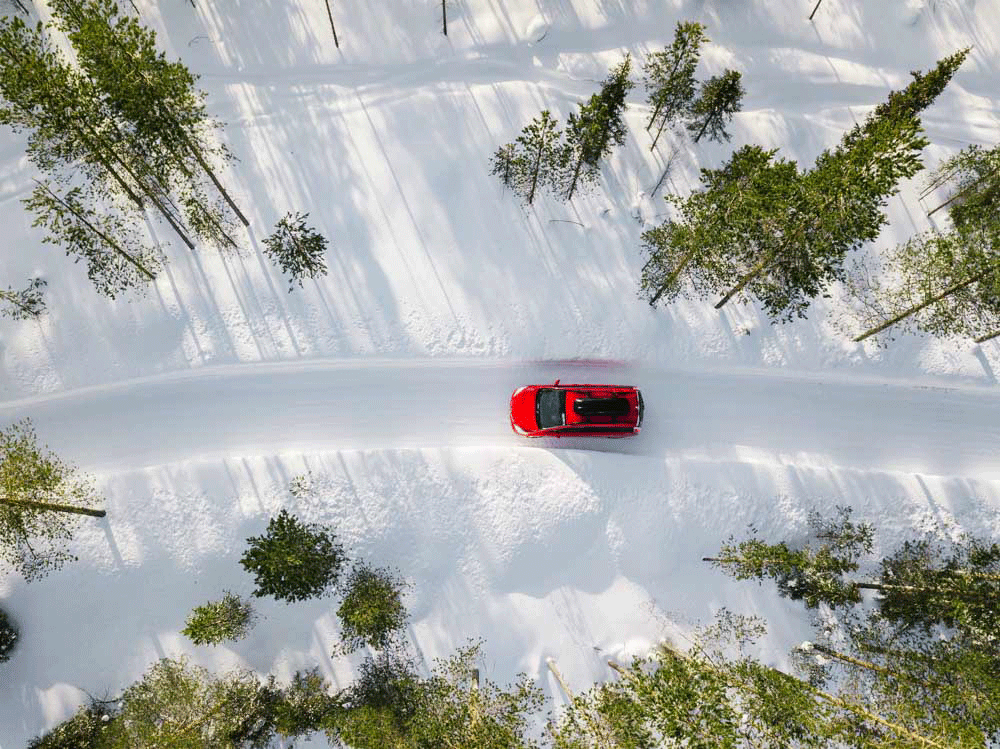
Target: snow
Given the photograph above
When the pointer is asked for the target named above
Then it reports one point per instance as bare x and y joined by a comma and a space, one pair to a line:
387, 381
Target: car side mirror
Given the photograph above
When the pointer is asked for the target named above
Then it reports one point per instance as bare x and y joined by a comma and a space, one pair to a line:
555, 383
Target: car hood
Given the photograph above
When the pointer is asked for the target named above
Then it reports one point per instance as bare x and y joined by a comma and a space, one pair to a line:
522, 408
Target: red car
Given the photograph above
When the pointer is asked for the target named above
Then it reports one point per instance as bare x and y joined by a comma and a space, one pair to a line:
576, 410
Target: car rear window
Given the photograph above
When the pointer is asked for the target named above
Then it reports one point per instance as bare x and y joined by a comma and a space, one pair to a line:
550, 408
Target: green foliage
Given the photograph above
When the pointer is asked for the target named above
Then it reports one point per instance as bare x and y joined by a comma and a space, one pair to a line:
33, 539
23, 304
731, 219
974, 174
593, 132
390, 706
299, 250
372, 611
928, 583
669, 75
181, 706
157, 105
702, 698
8, 636
116, 257
305, 705
720, 98
792, 240
536, 159
228, 619
812, 573
944, 284
293, 561
91, 727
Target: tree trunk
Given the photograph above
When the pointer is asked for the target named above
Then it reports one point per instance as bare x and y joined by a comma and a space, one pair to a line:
52, 507
444, 17
860, 711
702, 131
333, 28
114, 245
962, 192
653, 118
815, 8
658, 132
576, 177
747, 278
916, 308
535, 172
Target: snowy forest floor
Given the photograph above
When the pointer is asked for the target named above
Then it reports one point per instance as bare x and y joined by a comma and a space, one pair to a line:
388, 379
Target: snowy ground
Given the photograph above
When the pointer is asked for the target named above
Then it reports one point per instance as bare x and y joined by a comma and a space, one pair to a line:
388, 379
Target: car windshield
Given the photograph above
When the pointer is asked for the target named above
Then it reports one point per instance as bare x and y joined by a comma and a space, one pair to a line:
550, 408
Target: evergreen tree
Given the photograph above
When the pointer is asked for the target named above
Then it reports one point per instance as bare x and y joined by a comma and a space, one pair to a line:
938, 283
228, 619
8, 636
720, 98
791, 249
156, 96
536, 159
74, 132
41, 497
813, 572
669, 76
741, 204
599, 126
299, 250
505, 165
24, 304
117, 259
293, 561
372, 611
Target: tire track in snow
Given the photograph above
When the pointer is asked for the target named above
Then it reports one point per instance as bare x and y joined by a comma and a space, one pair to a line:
372, 404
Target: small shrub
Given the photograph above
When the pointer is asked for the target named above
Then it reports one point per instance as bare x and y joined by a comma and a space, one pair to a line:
372, 611
228, 619
8, 636
293, 561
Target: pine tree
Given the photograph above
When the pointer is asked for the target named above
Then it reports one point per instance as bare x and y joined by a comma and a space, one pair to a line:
41, 498
506, 166
24, 304
536, 158
230, 618
372, 611
157, 97
299, 250
9, 635
669, 76
740, 206
599, 126
117, 259
939, 283
794, 240
813, 572
720, 98
293, 561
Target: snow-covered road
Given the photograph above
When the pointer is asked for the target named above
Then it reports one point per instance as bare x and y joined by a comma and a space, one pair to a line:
323, 405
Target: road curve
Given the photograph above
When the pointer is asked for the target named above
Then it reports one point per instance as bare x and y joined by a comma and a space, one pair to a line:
370, 404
